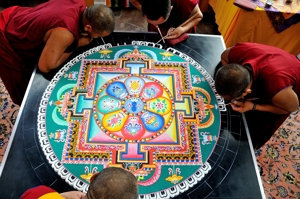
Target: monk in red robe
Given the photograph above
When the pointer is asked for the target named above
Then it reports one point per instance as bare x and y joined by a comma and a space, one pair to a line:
172, 17
261, 81
46, 35
111, 182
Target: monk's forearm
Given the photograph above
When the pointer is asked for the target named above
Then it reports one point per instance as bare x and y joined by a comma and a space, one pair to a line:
47, 66
191, 24
63, 58
193, 20
272, 109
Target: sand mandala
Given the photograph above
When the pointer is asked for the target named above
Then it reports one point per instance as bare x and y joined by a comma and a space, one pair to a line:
151, 111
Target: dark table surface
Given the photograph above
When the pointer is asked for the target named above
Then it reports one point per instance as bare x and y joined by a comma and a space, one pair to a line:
233, 173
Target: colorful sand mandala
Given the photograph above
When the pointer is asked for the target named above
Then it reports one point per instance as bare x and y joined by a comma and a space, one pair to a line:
151, 111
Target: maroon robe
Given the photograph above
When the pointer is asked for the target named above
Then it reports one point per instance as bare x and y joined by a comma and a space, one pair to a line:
22, 32
41, 192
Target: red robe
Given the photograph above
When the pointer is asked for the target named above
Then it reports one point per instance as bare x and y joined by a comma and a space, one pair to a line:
22, 31
273, 70
180, 12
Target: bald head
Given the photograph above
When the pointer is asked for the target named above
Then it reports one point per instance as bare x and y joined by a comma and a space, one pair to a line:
231, 80
100, 17
113, 183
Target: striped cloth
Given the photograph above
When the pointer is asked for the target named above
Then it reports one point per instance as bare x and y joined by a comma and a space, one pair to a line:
41, 192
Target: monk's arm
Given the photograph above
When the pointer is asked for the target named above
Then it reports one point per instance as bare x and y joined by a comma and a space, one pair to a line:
194, 19
284, 102
53, 53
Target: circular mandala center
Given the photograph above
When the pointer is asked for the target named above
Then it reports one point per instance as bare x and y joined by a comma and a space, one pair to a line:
134, 105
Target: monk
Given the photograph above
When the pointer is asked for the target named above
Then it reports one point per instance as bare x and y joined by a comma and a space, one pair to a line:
46, 35
261, 81
111, 182
169, 15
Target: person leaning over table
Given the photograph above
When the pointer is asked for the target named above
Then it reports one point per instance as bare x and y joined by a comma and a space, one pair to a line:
268, 74
46, 35
111, 182
169, 15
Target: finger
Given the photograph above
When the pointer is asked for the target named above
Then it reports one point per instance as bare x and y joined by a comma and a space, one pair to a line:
236, 106
84, 34
238, 103
169, 34
170, 37
170, 31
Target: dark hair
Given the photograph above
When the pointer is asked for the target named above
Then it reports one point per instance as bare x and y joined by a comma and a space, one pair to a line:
232, 80
154, 9
100, 17
113, 183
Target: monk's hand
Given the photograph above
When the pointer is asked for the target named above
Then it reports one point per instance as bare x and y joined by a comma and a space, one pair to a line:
84, 40
241, 106
73, 195
174, 33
